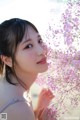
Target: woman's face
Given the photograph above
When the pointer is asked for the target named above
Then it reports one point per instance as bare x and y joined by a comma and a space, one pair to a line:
31, 54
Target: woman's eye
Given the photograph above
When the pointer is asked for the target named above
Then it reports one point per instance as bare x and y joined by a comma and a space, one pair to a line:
29, 46
40, 41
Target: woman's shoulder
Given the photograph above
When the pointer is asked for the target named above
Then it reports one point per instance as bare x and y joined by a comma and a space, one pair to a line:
6, 92
3, 93
20, 111
3, 87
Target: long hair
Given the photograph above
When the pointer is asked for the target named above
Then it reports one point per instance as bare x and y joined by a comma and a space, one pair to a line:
11, 34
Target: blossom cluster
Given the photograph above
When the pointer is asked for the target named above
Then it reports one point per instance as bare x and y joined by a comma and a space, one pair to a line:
63, 76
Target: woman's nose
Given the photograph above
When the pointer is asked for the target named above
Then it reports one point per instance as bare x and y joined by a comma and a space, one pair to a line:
42, 50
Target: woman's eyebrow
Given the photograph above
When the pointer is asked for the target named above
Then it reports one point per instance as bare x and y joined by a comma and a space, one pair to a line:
29, 40
39, 36
26, 41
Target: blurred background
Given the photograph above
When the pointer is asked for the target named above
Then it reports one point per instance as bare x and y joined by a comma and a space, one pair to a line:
55, 28
36, 11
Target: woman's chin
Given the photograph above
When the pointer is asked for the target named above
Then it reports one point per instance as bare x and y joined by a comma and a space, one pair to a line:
43, 68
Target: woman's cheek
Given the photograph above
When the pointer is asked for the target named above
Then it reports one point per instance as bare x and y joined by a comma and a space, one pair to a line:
31, 56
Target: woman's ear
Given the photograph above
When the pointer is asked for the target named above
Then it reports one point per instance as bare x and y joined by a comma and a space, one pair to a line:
6, 60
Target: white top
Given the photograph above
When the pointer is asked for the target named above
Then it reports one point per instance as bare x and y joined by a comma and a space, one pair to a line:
14, 103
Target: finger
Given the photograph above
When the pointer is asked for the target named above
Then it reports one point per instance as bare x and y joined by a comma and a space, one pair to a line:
48, 92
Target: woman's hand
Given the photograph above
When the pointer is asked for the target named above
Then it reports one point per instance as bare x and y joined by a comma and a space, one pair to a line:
44, 99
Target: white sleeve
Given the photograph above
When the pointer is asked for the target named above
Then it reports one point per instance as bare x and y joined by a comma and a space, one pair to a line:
20, 111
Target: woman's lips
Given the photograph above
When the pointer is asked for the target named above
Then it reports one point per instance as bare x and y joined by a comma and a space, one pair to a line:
42, 61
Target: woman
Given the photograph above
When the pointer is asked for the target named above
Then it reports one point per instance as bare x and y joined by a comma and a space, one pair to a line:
22, 56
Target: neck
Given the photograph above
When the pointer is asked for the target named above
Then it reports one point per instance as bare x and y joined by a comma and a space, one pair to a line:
25, 80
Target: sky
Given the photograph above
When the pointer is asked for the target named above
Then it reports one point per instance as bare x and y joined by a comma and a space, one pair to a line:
36, 11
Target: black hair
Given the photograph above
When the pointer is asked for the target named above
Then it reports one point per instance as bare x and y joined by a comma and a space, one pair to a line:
11, 34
